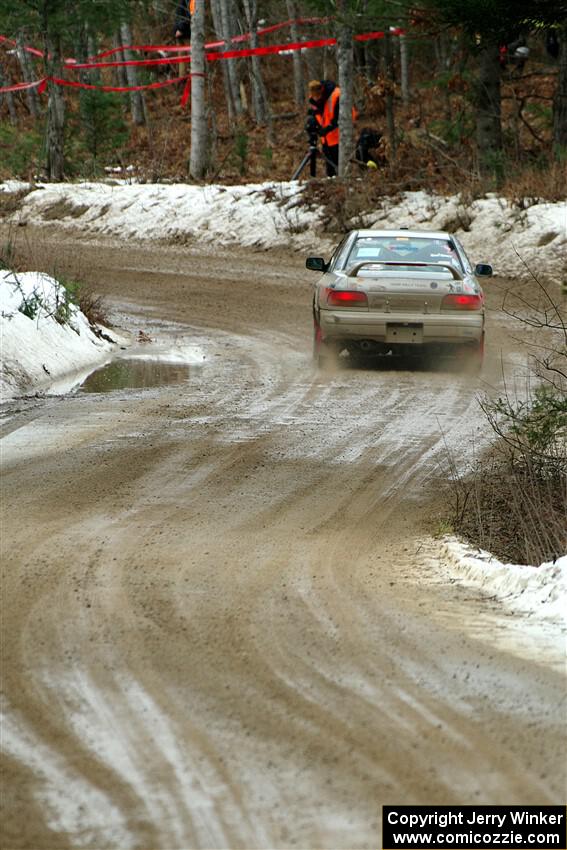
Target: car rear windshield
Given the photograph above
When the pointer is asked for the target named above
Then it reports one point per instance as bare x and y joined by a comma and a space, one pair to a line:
399, 248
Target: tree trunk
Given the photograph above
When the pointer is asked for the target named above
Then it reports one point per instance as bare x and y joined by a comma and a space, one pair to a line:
137, 102
217, 23
298, 82
389, 97
92, 48
199, 137
86, 100
346, 64
325, 51
560, 99
313, 64
373, 59
55, 114
404, 69
227, 33
443, 64
28, 76
9, 98
365, 51
121, 79
259, 97
488, 119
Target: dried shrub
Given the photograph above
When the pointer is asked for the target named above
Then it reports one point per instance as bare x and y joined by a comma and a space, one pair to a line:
532, 184
64, 208
513, 501
346, 203
93, 307
516, 511
11, 202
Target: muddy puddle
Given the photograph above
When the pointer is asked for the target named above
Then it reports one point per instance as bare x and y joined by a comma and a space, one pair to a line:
136, 374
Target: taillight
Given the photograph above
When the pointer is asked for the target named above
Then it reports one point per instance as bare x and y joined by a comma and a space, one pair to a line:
346, 298
461, 302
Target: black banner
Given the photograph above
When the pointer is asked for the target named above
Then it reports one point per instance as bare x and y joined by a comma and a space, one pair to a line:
481, 827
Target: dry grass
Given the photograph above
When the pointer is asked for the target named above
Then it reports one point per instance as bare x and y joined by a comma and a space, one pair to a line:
93, 307
11, 202
64, 209
531, 184
513, 501
21, 254
515, 511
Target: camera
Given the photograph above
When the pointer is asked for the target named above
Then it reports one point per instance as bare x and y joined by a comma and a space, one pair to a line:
312, 127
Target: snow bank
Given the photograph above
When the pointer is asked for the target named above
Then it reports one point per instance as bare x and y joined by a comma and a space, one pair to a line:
52, 340
273, 214
540, 592
266, 214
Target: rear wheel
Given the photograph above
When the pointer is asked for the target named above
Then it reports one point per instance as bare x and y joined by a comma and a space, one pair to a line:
324, 356
317, 340
472, 355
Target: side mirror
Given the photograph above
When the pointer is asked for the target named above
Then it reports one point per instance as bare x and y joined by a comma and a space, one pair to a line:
316, 264
483, 270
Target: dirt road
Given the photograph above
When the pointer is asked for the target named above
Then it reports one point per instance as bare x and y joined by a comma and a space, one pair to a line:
224, 625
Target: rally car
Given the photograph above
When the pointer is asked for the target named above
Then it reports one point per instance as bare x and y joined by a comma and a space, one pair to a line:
398, 292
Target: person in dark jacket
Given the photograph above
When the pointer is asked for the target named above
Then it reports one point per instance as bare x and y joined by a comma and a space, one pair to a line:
182, 24
182, 27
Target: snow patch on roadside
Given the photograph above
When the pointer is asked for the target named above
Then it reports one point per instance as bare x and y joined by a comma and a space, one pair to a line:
38, 348
540, 592
263, 214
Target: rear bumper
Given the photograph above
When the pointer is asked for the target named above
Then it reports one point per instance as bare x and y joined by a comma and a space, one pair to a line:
450, 328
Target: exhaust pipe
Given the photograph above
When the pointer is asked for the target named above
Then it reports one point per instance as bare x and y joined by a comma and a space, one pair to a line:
366, 345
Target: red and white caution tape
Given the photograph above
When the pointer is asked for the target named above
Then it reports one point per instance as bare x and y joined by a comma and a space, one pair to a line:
239, 53
168, 48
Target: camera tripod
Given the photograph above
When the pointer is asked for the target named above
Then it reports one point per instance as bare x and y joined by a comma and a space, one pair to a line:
313, 153
311, 157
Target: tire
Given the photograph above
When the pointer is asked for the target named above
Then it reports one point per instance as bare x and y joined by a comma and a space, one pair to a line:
473, 355
317, 340
323, 356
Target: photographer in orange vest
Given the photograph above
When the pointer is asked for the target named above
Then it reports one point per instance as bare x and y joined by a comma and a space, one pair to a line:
324, 98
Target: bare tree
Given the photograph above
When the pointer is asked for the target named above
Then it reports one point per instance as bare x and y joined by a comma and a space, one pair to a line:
28, 76
120, 70
259, 96
345, 61
404, 68
199, 159
313, 64
298, 82
9, 98
217, 23
488, 119
92, 49
389, 96
560, 99
137, 101
55, 113
226, 18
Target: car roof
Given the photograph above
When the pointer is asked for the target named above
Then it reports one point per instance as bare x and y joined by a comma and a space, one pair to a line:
427, 234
